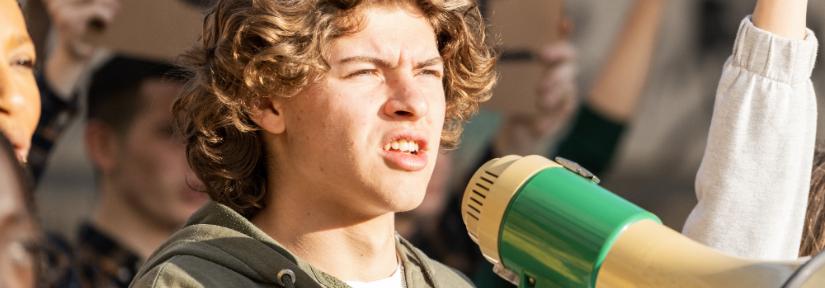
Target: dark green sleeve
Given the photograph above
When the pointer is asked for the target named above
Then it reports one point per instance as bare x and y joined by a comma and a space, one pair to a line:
593, 140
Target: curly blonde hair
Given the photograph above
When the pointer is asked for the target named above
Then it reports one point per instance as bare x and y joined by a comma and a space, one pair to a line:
255, 49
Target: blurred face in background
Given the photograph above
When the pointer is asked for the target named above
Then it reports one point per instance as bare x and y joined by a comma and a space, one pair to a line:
17, 230
148, 168
19, 96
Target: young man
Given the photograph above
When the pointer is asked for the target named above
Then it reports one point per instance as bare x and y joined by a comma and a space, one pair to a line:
311, 124
145, 187
66, 63
310, 130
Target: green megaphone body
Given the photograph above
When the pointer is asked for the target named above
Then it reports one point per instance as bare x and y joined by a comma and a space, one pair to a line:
549, 224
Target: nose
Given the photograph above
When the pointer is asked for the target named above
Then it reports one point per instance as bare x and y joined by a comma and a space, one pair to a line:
406, 101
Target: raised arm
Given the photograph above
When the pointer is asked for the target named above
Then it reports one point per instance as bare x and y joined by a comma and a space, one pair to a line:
622, 79
600, 124
785, 18
753, 182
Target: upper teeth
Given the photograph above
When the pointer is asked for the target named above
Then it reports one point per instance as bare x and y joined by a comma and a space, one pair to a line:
402, 145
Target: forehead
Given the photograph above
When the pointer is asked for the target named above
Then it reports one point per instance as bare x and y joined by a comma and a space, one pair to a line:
12, 26
388, 31
158, 94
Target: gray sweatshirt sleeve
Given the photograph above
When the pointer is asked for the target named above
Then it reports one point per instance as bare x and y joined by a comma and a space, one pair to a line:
753, 182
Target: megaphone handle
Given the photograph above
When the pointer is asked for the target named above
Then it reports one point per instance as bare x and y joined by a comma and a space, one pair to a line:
506, 274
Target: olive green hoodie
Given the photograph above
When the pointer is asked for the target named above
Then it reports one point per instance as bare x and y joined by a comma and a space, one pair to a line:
221, 248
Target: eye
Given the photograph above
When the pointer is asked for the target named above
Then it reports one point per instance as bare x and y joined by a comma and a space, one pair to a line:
431, 72
24, 62
362, 72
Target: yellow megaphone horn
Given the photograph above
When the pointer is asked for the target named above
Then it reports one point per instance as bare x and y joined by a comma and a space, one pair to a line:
549, 224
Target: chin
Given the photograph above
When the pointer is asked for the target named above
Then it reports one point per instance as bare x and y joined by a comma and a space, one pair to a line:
403, 200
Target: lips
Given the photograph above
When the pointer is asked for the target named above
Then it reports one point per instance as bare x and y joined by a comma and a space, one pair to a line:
406, 151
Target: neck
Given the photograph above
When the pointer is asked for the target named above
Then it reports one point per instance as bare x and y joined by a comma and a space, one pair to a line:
347, 246
126, 225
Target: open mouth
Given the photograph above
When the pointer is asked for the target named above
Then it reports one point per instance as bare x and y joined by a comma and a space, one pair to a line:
406, 151
403, 146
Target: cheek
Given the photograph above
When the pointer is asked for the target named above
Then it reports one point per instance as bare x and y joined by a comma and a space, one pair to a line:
440, 114
341, 135
166, 163
27, 101
327, 126
438, 110
157, 175
145, 162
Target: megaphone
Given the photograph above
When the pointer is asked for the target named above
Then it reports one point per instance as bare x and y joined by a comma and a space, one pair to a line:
546, 223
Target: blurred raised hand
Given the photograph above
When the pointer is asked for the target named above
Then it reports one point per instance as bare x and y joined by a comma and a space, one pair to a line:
74, 22
556, 99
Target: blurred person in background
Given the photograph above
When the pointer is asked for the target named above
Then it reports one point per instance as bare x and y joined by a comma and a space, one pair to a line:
19, 110
145, 189
610, 104
19, 98
65, 64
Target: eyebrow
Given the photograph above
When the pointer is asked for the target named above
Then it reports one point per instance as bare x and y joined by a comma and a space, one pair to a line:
430, 62
18, 41
387, 64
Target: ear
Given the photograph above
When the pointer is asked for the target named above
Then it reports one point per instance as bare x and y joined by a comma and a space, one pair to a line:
269, 116
101, 146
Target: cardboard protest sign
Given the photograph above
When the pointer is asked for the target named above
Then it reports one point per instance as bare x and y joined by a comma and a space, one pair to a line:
523, 28
155, 29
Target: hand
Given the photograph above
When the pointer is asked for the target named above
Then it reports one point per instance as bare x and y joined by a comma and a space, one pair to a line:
76, 20
556, 99
557, 92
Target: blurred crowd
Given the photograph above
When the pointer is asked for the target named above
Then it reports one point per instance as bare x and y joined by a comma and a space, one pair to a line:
627, 91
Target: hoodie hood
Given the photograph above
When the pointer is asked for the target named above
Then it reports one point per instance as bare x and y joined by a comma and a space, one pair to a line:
219, 235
